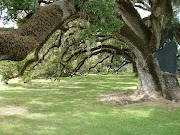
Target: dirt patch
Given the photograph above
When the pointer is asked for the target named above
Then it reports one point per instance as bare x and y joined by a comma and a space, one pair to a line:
13, 111
123, 99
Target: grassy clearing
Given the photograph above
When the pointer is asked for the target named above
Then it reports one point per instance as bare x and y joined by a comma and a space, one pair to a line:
71, 107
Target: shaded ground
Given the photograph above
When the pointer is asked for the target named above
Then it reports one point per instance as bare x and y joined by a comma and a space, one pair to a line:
72, 107
118, 99
125, 99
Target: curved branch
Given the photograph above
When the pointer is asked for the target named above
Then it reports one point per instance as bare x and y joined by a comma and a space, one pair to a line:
81, 63
51, 47
141, 7
16, 44
132, 19
110, 65
117, 49
43, 57
125, 63
99, 63
67, 47
36, 57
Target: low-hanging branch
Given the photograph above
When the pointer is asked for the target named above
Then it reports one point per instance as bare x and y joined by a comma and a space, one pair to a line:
81, 63
17, 44
29, 62
54, 45
98, 63
124, 63
68, 47
117, 49
37, 50
43, 57
34, 59
111, 62
96, 51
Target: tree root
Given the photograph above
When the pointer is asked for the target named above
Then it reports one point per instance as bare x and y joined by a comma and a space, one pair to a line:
123, 99
129, 98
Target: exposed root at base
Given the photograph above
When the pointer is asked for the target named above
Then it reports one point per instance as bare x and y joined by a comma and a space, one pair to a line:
129, 98
132, 99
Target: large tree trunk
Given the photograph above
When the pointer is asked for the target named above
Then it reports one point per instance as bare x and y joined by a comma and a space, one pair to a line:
153, 82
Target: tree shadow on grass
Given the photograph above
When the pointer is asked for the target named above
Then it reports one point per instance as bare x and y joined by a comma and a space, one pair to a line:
94, 120
70, 107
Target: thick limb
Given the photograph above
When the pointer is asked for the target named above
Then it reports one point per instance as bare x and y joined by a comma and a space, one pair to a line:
16, 44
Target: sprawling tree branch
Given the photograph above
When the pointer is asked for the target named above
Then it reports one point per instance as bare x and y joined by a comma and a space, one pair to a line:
124, 63
89, 56
56, 44
16, 44
99, 62
117, 49
132, 19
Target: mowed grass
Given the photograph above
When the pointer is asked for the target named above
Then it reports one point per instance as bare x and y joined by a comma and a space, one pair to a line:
71, 107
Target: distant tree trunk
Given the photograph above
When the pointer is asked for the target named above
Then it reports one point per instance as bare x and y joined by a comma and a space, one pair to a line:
135, 69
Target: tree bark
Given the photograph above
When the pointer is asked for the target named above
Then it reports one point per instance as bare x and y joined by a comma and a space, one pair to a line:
16, 44
152, 80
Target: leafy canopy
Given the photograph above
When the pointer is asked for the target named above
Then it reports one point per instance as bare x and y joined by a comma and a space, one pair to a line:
101, 14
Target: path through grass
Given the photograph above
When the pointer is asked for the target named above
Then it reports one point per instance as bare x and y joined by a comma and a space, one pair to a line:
71, 107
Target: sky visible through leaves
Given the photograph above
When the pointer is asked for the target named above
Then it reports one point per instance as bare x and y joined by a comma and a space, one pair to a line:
12, 24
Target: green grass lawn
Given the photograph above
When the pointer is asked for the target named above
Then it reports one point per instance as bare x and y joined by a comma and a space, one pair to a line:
71, 107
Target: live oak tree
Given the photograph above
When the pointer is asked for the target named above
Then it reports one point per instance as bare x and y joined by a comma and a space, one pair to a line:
118, 18
80, 52
67, 53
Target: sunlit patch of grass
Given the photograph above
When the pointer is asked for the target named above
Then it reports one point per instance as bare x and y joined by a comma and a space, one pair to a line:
137, 113
71, 107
